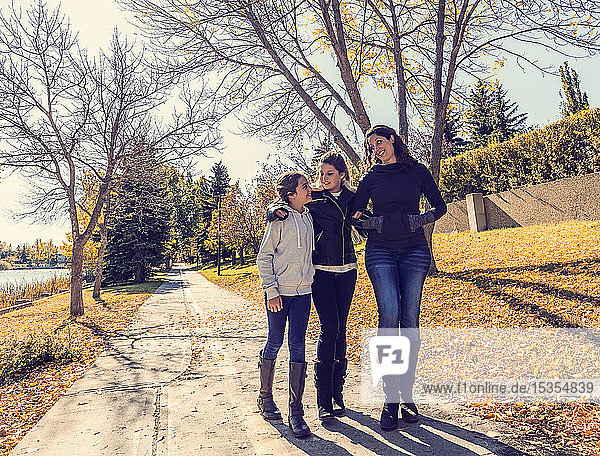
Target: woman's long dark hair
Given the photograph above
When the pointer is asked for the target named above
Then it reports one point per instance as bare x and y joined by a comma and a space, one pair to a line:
400, 148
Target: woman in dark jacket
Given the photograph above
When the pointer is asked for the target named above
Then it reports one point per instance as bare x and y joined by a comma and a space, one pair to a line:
335, 265
397, 256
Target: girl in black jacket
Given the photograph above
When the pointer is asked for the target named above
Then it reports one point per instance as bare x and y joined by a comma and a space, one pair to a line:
335, 265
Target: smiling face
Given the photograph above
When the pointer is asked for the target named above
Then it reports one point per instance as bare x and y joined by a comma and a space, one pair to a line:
331, 178
383, 148
302, 195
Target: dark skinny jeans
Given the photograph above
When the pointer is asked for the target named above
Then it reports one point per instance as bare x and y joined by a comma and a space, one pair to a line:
332, 296
296, 309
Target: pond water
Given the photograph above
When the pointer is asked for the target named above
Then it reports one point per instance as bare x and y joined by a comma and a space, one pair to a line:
19, 276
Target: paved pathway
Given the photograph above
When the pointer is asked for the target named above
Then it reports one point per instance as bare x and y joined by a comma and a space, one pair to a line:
147, 395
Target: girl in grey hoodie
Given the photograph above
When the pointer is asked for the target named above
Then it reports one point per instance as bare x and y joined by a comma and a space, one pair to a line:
286, 270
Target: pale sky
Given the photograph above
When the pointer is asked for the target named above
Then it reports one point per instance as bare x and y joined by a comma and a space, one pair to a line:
95, 21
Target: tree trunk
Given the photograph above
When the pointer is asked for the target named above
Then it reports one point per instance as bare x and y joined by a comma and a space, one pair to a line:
100, 262
101, 251
242, 259
439, 113
139, 273
233, 257
400, 80
429, 235
434, 167
77, 278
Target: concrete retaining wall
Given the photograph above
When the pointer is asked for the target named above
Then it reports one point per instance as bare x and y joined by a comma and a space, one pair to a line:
574, 198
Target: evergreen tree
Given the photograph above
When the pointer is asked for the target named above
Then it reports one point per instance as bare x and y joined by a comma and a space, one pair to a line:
139, 230
218, 182
491, 116
213, 188
454, 143
506, 121
479, 124
573, 100
206, 199
186, 216
210, 189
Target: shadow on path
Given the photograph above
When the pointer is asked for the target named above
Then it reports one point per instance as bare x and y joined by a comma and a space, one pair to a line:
428, 437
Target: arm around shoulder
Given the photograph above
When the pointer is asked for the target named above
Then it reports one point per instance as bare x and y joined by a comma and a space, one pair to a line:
362, 195
276, 211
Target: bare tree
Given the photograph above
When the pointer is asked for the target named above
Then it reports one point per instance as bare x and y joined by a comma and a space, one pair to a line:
261, 53
129, 93
268, 56
63, 116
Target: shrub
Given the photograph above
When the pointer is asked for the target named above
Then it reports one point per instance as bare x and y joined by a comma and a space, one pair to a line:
567, 148
5, 265
17, 357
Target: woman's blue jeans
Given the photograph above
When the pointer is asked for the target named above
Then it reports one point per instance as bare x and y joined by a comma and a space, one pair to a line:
296, 309
398, 276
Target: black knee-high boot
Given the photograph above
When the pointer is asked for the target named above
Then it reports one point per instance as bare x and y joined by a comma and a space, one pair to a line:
266, 405
296, 384
340, 369
324, 384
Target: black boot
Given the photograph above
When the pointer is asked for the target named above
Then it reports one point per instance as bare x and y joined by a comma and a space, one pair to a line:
410, 414
323, 383
389, 416
267, 407
296, 385
409, 411
340, 367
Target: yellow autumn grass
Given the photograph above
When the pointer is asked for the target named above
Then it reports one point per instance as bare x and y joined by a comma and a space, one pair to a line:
9, 293
545, 275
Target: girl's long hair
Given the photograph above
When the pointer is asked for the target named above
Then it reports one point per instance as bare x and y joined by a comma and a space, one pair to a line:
287, 185
336, 160
400, 148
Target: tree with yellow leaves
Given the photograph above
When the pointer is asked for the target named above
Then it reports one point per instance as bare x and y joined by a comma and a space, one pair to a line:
292, 70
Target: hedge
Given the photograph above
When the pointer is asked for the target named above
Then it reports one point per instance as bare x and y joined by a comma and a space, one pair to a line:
566, 148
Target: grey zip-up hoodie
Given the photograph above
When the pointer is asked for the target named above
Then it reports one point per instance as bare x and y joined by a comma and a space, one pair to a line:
284, 260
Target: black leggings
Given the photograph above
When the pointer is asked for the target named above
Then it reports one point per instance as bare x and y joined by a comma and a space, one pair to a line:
332, 295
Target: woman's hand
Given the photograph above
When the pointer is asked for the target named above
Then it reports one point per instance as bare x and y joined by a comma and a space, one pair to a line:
281, 214
275, 304
357, 214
